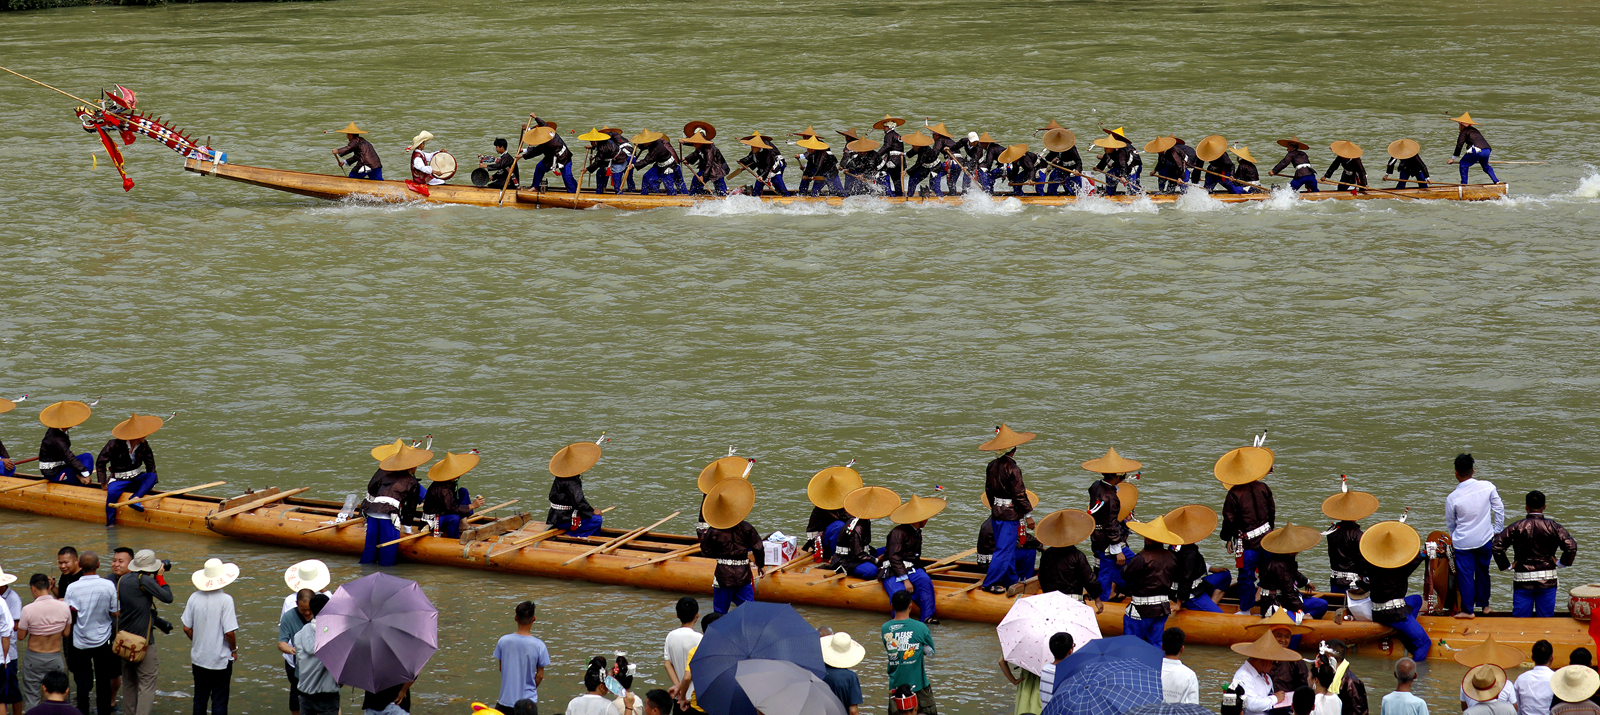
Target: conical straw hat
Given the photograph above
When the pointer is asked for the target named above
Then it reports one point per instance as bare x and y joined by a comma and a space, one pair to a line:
1266, 647
1059, 140
421, 138
1290, 539
574, 459
1390, 544
917, 509
1243, 465
756, 140
848, 133
1243, 152
1012, 153
65, 414
698, 127
1211, 148
862, 146
1350, 506
807, 132
1005, 438
812, 143
1155, 529
1293, 143
452, 467
1279, 619
351, 128
1347, 150
1109, 143
716, 472
1161, 144
728, 503
871, 503
406, 458
385, 451
1192, 523
647, 136
7, 406
827, 488
136, 427
1064, 528
1112, 463
1127, 498
1484, 682
986, 139
940, 130
594, 135
1404, 148
888, 122
1053, 125
1465, 118
1490, 652
537, 136
696, 139
918, 140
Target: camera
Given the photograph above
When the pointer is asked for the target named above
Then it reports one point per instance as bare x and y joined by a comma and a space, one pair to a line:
166, 565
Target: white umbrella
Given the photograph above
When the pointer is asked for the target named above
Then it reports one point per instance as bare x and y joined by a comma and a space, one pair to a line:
1025, 631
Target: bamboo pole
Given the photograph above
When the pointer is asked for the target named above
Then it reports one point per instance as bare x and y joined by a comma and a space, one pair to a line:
834, 577
536, 538
799, 560
20, 487
951, 558
613, 548
513, 170
1236, 181
46, 86
332, 525
242, 508
685, 551
975, 585
426, 532
164, 495
1369, 188
626, 537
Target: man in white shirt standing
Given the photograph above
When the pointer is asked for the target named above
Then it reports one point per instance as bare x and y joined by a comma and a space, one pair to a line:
1178, 681
1473, 514
675, 652
1254, 678
1533, 687
94, 667
209, 620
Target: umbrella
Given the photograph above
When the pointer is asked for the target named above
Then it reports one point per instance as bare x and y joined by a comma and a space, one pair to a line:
1118, 649
1026, 630
771, 631
1171, 709
779, 687
1106, 687
377, 632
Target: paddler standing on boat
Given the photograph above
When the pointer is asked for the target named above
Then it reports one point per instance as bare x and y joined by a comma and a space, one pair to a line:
1393, 551
1062, 567
1198, 585
1285, 586
392, 496
902, 552
860, 167
604, 159
729, 467
826, 491
916, 144
663, 173
853, 552
1405, 156
1060, 154
1022, 168
1248, 512
1347, 156
126, 464
1305, 177
892, 155
446, 504
1024, 556
1007, 496
545, 145
986, 162
1344, 539
706, 158
1477, 148
733, 542
569, 509
1169, 164
422, 160
818, 167
363, 158
1110, 539
1535, 539
1114, 164
56, 461
1149, 577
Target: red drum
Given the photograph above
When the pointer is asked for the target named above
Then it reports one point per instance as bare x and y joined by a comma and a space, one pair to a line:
1584, 600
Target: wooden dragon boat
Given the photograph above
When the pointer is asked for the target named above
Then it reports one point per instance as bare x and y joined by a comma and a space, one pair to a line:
334, 187
656, 561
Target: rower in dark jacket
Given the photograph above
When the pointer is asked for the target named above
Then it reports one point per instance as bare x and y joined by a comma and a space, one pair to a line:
918, 159
1305, 177
445, 505
1110, 539
659, 163
966, 150
729, 467
1025, 554
892, 155
1061, 153
826, 491
551, 153
1344, 539
1347, 156
1022, 167
500, 166
1247, 169
392, 499
1391, 552
57, 463
856, 162
853, 552
1405, 156
1248, 512
1477, 147
363, 158
1281, 578
706, 159
610, 155
1191, 160
569, 509
901, 567
1535, 539
126, 464
1196, 585
1007, 497
732, 542
1149, 576
764, 162
1114, 165
931, 162
1219, 169
1062, 567
818, 167
1170, 164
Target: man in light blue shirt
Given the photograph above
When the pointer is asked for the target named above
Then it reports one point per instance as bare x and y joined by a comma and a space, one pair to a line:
1473, 514
523, 658
1402, 701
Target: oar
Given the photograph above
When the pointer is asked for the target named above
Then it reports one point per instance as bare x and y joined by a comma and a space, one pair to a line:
24, 461
1369, 188
493, 508
258, 503
1419, 183
332, 525
951, 558
541, 536
685, 551
799, 560
1236, 181
513, 171
617, 541
975, 585
586, 153
830, 579
20, 487
963, 166
426, 532
1086, 177
1453, 161
164, 495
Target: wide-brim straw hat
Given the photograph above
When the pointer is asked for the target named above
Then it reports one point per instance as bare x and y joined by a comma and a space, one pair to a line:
420, 139
809, 131
1390, 544
575, 459
385, 451
862, 146
1279, 619
1064, 528
1573, 684
986, 139
699, 127
145, 562
64, 414
594, 135
919, 139
940, 130
1465, 118
1112, 463
1005, 438
137, 426
6, 406
1053, 125
1290, 539
452, 467
1033, 500
1243, 152
537, 136
756, 140
1155, 529
7, 578
1489, 651
917, 509
1293, 143
729, 503
848, 133
1404, 148
1266, 647
1161, 144
888, 122
1484, 682
1347, 150
1109, 143
715, 473
647, 136
696, 139
1350, 506
1012, 153
1211, 148
215, 575
352, 129
871, 503
1059, 140
812, 143
1127, 499
406, 458
1118, 132
311, 573
1243, 465
841, 651
1193, 523
828, 488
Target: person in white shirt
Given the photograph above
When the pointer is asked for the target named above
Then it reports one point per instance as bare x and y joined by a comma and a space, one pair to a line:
1483, 684
1061, 646
1533, 687
595, 701
422, 160
1473, 514
675, 652
209, 620
1178, 681
9, 688
94, 667
1255, 678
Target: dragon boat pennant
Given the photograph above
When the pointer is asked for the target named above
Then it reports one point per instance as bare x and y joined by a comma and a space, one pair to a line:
118, 112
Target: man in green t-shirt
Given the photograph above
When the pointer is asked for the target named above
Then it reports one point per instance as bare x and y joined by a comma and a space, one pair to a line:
908, 643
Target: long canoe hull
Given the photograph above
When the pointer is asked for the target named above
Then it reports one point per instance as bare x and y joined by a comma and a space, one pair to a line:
285, 524
334, 187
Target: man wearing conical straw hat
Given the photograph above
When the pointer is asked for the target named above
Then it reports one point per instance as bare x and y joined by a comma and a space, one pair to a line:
1062, 567
729, 467
1281, 580
546, 147
665, 171
1149, 578
764, 162
827, 491
1248, 511
853, 552
1110, 538
1535, 540
1477, 147
364, 162
1199, 585
445, 503
818, 166
569, 508
902, 554
1287, 675
1344, 540
1347, 160
706, 159
732, 542
1405, 156
126, 464
1008, 506
1393, 551
931, 161
391, 500
1061, 154
56, 461
1253, 680
1024, 556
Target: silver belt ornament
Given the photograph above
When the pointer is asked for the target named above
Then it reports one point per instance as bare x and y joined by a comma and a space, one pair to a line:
50, 465
1345, 576
561, 507
126, 475
1002, 503
1149, 600
1258, 531
1386, 605
733, 562
1533, 575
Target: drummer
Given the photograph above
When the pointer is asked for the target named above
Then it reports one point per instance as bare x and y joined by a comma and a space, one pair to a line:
732, 542
826, 491
1198, 585
1149, 577
364, 162
659, 162
422, 160
126, 464
901, 568
445, 504
1062, 567
1281, 579
1405, 156
1008, 502
56, 461
1247, 512
569, 509
706, 158
546, 145
1110, 539
502, 163
1344, 539
1392, 552
729, 467
853, 553
1026, 553
392, 496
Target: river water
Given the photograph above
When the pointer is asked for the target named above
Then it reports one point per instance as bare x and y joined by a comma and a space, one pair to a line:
1375, 339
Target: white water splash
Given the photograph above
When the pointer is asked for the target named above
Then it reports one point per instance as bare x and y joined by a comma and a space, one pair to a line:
1199, 200
1098, 204
355, 204
1588, 187
977, 203
1283, 199
750, 205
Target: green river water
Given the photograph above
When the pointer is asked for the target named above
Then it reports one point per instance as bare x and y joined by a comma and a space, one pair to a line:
1375, 339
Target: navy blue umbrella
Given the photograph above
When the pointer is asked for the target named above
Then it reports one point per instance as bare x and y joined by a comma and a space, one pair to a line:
1106, 687
770, 631
1118, 648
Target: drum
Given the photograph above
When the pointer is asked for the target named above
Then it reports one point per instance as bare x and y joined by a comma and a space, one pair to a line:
443, 165
480, 177
1583, 601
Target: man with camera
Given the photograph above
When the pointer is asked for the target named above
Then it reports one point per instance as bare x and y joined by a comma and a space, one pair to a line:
137, 592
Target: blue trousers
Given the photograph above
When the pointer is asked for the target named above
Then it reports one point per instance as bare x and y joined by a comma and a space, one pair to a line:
1003, 565
1481, 158
915, 176
586, 528
374, 175
986, 179
68, 474
1472, 577
1247, 578
1165, 183
777, 185
1411, 632
1422, 180
1110, 573
1307, 182
670, 180
1212, 181
830, 538
380, 530
1533, 602
923, 596
723, 599
1062, 182
134, 487
1315, 607
566, 175
1203, 601
865, 570
450, 524
1038, 188
699, 187
810, 187
1147, 629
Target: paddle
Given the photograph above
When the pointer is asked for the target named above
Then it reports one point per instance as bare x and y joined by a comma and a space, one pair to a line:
685, 551
541, 536
586, 153
619, 541
964, 589
20, 487
1386, 191
513, 170
332, 525
1453, 161
1428, 182
964, 168
426, 532
830, 579
800, 559
163, 495
24, 461
1236, 181
1086, 177
258, 503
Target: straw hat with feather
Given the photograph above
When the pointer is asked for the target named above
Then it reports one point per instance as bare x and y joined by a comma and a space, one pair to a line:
1490, 652
1127, 498
1243, 465
1005, 438
888, 122
1161, 144
729, 467
756, 141
1155, 529
1109, 143
65, 414
1279, 619
917, 509
940, 130
827, 488
813, 143
1575, 683
137, 427
574, 459
6, 406
1290, 539
646, 136
1404, 148
728, 503
405, 458
1390, 544
1293, 143
1243, 152
452, 467
1193, 523
1112, 463
1012, 153
1484, 682
1266, 648
1059, 140
871, 503
698, 127
351, 128
1350, 506
862, 146
1211, 148
918, 139
1465, 118
1346, 150
986, 139
1064, 528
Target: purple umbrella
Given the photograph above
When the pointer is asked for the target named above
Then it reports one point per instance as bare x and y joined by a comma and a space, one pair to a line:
377, 632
